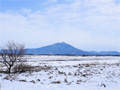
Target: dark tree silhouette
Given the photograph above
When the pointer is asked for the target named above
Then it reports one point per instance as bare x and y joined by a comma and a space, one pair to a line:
11, 53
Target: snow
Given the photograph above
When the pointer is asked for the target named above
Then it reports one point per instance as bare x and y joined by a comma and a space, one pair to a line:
81, 73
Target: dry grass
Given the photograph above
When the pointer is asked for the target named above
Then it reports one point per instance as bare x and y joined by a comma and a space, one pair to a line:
23, 68
56, 82
22, 80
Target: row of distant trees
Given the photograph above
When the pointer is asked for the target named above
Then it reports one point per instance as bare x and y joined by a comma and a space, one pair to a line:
11, 54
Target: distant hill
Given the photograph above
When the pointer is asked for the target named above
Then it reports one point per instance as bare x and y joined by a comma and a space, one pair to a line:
105, 53
57, 49
66, 49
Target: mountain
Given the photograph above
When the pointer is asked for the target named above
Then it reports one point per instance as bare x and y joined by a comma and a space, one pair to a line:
105, 53
66, 49
58, 49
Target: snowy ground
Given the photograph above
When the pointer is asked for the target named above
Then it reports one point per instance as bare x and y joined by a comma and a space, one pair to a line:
66, 73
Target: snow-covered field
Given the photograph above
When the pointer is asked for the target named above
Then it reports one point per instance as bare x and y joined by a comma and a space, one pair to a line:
66, 73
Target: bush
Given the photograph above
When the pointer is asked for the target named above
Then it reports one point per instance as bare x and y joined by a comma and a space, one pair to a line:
23, 68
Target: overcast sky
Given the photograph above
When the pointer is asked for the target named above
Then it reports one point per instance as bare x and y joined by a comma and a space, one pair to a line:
92, 25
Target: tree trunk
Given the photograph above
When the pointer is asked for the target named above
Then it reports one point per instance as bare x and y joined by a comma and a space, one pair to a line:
9, 69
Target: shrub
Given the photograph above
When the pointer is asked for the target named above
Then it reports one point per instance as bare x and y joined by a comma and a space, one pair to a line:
23, 68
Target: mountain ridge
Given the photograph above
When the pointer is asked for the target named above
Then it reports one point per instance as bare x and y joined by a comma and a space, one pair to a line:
58, 48
62, 48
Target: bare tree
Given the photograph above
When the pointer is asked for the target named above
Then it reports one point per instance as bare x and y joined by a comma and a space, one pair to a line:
11, 53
